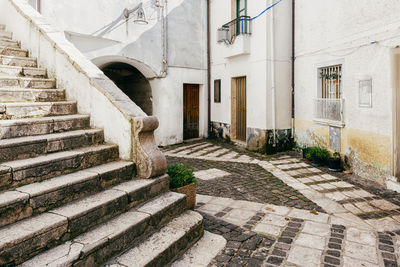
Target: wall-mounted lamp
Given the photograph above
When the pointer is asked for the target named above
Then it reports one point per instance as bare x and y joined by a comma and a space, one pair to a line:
139, 13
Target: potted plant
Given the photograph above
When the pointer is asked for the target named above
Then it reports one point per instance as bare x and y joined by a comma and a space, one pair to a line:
319, 156
335, 162
182, 180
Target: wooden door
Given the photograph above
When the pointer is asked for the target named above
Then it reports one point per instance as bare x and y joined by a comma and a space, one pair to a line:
190, 111
241, 109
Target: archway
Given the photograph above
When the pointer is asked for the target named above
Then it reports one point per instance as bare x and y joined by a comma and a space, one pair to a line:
132, 82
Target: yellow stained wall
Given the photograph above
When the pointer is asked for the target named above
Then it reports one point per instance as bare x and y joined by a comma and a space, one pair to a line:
370, 154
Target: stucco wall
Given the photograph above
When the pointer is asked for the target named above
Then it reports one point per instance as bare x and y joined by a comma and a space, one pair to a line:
99, 29
360, 35
256, 65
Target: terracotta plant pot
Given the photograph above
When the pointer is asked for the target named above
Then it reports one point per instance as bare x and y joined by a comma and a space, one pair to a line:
190, 192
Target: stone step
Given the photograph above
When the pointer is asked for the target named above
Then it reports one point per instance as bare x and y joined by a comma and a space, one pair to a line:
13, 51
166, 245
40, 83
18, 61
24, 239
26, 171
9, 43
40, 109
39, 126
23, 71
5, 34
31, 95
35, 198
33, 146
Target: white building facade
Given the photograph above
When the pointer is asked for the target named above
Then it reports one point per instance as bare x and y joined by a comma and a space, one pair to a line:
347, 82
250, 72
152, 63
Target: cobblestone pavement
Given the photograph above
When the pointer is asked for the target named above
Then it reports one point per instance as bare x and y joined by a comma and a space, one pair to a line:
284, 180
269, 235
244, 181
319, 218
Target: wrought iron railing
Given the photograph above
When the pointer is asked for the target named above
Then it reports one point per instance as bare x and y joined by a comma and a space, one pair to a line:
329, 109
238, 26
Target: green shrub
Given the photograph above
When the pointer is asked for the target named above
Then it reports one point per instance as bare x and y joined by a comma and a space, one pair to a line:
336, 155
323, 155
318, 154
180, 175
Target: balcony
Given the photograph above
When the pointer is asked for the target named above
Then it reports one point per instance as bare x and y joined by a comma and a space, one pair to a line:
329, 111
236, 35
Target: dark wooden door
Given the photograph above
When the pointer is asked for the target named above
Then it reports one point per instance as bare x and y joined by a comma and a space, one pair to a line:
241, 109
190, 111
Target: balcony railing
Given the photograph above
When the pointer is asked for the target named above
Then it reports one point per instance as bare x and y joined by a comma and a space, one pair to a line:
238, 26
330, 109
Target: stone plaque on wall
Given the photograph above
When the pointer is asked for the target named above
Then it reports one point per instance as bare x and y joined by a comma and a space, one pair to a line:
365, 94
334, 138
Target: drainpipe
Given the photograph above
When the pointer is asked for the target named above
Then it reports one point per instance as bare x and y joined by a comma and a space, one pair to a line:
293, 60
38, 6
208, 70
164, 37
272, 47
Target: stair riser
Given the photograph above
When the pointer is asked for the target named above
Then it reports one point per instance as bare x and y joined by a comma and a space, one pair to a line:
20, 252
9, 43
69, 164
178, 248
16, 61
100, 253
27, 83
21, 71
93, 217
13, 52
32, 96
4, 34
44, 127
18, 112
34, 149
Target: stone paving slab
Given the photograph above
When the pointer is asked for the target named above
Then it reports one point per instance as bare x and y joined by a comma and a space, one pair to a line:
295, 237
286, 180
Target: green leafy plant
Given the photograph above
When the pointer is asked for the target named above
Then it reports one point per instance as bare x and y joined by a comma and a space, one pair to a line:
180, 175
336, 155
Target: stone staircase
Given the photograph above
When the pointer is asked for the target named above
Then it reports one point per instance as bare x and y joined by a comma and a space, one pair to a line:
65, 196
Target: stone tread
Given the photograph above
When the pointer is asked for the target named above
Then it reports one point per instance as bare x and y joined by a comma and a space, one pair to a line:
47, 122
41, 160
59, 182
9, 43
31, 95
15, 51
27, 82
25, 71
151, 251
19, 141
128, 224
38, 109
5, 34
18, 61
26, 229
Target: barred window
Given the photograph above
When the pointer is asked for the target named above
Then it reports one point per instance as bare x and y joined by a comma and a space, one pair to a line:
331, 81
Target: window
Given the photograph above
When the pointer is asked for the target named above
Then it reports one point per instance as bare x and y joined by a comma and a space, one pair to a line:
331, 82
329, 105
217, 91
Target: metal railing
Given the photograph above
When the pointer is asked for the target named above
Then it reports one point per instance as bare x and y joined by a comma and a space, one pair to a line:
329, 109
238, 26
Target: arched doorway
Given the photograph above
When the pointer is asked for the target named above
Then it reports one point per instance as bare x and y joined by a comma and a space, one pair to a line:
132, 82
